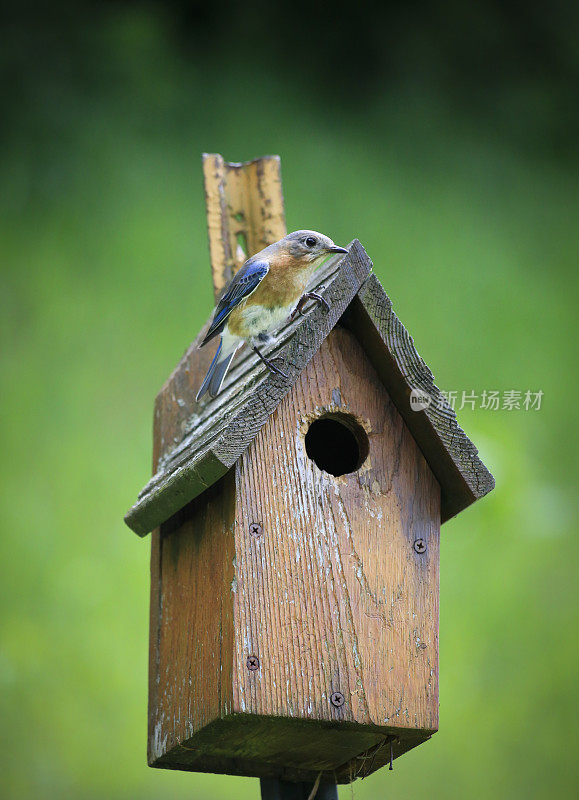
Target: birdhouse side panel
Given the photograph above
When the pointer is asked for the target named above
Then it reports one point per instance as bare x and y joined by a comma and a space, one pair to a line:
336, 578
191, 646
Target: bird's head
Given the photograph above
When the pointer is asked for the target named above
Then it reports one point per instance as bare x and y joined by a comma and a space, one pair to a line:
310, 247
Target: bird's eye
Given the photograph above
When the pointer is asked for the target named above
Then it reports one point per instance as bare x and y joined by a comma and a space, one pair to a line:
311, 242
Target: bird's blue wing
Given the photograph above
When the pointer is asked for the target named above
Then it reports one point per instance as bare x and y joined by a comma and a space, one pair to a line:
242, 285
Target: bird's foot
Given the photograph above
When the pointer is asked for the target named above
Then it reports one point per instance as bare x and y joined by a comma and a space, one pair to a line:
320, 301
272, 368
269, 363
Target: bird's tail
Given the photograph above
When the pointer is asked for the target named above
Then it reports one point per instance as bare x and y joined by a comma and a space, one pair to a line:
216, 373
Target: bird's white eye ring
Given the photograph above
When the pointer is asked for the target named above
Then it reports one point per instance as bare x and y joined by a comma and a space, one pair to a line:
310, 241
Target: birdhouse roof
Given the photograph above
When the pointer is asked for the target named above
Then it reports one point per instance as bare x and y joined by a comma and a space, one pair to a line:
217, 433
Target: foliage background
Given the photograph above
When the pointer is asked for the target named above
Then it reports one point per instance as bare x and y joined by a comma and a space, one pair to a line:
443, 136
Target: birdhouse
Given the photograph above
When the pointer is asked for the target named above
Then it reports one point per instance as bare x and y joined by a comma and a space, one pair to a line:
296, 519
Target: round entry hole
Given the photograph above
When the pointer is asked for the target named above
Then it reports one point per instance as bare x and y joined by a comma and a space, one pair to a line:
337, 443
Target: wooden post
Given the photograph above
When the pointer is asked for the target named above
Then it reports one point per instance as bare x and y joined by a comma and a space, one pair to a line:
274, 789
245, 211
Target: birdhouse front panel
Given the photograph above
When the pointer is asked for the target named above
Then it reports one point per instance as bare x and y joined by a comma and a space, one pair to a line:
336, 587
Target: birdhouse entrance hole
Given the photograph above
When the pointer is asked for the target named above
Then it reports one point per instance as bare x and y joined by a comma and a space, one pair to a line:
337, 443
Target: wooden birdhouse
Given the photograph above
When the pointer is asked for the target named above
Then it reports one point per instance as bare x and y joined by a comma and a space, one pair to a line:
295, 549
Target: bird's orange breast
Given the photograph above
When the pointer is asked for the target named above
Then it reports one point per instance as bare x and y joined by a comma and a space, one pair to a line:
281, 288
284, 284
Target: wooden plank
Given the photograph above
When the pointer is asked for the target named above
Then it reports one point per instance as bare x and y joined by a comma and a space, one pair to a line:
192, 636
451, 455
332, 596
212, 437
231, 746
191, 611
245, 211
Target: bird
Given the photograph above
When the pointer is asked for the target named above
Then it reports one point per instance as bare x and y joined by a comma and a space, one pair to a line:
266, 290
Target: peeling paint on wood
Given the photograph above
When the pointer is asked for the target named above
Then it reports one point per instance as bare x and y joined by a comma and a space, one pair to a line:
356, 597
245, 211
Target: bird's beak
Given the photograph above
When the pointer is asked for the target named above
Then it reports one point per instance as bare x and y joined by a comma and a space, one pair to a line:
337, 250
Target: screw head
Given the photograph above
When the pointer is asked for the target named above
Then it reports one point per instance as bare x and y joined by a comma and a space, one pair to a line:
255, 529
337, 699
252, 663
420, 545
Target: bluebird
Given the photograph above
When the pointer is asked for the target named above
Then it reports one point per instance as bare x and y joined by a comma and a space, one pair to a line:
268, 288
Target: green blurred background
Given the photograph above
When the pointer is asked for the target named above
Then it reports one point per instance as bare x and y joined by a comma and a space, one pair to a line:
443, 136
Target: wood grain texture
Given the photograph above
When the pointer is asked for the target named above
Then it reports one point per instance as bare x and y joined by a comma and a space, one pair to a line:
451, 454
199, 443
191, 645
330, 597
245, 211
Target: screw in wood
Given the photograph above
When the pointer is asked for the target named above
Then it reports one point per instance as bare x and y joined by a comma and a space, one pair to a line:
252, 663
420, 545
337, 699
255, 529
